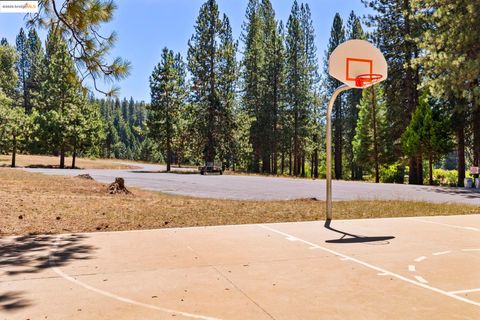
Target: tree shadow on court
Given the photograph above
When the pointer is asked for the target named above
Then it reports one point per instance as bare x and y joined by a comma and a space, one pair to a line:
13, 300
353, 238
33, 253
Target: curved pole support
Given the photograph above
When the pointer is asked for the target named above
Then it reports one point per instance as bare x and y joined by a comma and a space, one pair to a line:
329, 147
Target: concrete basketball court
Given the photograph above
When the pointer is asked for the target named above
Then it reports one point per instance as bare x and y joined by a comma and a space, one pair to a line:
400, 268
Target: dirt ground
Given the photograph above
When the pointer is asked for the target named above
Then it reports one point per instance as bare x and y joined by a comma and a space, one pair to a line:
35, 161
40, 204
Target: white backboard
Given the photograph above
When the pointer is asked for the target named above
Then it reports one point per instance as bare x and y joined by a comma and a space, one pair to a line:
357, 57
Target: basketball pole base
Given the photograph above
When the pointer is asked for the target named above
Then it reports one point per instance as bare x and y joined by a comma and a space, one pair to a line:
329, 148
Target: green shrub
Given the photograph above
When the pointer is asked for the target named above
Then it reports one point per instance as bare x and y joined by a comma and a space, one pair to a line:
394, 173
444, 177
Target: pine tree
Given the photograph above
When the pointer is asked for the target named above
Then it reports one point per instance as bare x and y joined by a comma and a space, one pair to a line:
269, 99
252, 65
298, 92
370, 144
207, 58
285, 119
133, 120
271, 86
23, 66
451, 63
15, 128
428, 134
35, 54
276, 84
395, 30
8, 72
311, 76
354, 30
4, 42
337, 36
167, 87
227, 83
112, 140
318, 130
58, 97
263, 78
80, 22
86, 129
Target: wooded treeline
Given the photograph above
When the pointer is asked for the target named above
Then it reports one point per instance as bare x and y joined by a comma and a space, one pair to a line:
425, 116
44, 105
258, 104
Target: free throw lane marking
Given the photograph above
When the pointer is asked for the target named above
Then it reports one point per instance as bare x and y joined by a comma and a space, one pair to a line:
421, 279
441, 253
465, 291
445, 224
378, 269
119, 298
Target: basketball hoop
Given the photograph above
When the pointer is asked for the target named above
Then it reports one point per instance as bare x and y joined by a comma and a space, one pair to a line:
369, 78
357, 64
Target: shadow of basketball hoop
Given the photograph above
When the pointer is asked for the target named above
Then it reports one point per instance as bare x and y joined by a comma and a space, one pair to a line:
353, 238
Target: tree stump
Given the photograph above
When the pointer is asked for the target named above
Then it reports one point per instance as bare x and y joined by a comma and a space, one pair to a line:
85, 176
118, 187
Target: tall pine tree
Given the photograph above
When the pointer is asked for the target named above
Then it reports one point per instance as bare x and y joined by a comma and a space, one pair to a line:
58, 97
298, 93
428, 133
370, 144
451, 63
337, 36
23, 66
251, 71
207, 60
352, 99
395, 30
167, 88
35, 54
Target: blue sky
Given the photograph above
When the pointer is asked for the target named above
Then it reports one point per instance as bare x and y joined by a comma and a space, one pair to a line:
144, 27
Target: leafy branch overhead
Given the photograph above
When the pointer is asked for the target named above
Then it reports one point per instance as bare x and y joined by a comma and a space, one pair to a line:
80, 22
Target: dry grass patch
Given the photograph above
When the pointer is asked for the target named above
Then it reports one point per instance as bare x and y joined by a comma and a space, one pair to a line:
35, 203
53, 162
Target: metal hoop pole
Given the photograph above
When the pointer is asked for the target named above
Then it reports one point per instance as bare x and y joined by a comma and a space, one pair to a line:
329, 148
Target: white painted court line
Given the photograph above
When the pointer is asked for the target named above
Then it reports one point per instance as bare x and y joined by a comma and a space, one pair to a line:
465, 291
421, 279
441, 253
411, 268
380, 270
120, 298
420, 259
445, 224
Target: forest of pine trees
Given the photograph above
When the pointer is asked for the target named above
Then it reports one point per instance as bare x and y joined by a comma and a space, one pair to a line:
258, 103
